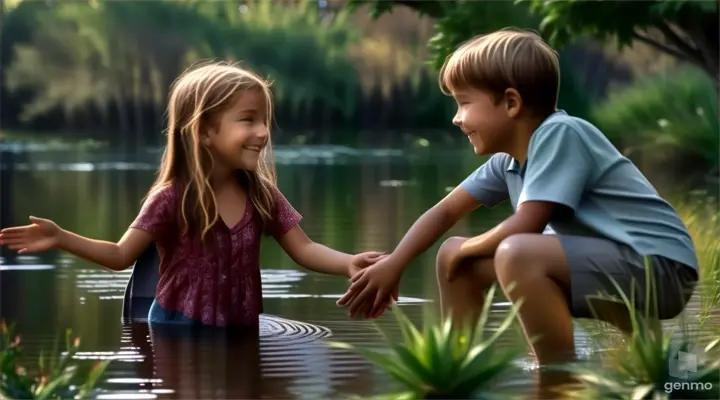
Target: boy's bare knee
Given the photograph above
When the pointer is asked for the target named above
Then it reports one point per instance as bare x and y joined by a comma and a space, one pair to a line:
509, 257
448, 250
529, 256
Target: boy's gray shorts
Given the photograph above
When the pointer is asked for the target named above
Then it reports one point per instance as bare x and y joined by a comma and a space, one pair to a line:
591, 260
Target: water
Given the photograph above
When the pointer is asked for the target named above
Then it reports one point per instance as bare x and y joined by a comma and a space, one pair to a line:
351, 200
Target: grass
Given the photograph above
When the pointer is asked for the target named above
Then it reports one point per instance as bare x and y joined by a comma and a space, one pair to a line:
53, 378
649, 364
703, 222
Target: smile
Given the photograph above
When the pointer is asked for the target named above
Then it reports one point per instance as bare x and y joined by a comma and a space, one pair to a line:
253, 148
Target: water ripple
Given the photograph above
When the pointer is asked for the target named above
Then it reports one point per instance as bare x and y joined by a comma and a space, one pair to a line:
273, 329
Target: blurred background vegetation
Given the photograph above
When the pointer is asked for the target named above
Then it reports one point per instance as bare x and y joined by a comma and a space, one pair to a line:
364, 145
349, 72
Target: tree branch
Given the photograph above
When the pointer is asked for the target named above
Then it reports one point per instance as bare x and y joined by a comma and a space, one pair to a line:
681, 44
664, 48
707, 49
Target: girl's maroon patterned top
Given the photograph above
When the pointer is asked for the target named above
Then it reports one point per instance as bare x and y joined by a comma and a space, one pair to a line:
221, 287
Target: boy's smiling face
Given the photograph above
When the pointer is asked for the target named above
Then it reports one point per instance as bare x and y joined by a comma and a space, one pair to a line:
486, 121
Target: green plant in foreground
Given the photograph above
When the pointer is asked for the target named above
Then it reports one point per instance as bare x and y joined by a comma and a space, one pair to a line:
54, 378
445, 361
649, 365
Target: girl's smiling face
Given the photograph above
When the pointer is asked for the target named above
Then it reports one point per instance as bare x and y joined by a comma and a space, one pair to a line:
241, 133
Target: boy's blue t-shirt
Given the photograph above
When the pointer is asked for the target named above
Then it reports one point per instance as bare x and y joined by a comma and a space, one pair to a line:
572, 163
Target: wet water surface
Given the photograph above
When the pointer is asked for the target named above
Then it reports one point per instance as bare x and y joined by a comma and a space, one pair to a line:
351, 204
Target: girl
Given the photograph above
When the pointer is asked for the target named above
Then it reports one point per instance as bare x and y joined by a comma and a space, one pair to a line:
214, 196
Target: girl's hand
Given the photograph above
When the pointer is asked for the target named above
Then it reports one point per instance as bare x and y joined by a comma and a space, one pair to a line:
363, 260
41, 235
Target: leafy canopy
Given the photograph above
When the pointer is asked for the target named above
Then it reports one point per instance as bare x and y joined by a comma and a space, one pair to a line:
684, 29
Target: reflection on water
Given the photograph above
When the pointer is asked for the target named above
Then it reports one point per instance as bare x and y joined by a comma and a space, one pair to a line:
37, 157
351, 200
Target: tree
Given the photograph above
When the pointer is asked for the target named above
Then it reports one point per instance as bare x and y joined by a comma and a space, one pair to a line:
684, 29
457, 21
119, 57
687, 30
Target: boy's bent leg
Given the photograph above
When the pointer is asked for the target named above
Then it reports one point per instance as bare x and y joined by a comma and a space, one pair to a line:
597, 265
465, 294
536, 265
556, 274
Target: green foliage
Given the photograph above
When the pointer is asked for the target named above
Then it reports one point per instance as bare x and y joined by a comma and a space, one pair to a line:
55, 379
647, 363
566, 20
573, 96
312, 63
688, 28
445, 361
458, 21
626, 374
107, 67
677, 111
471, 18
99, 52
702, 219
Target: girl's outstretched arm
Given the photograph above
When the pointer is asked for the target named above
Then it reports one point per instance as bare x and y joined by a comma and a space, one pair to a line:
113, 256
319, 258
44, 234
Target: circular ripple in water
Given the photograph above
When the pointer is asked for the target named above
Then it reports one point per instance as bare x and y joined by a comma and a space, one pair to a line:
276, 329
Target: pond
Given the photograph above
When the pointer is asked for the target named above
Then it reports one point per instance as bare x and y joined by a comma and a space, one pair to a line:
351, 200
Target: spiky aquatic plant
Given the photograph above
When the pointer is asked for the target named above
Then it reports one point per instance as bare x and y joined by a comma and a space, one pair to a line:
445, 361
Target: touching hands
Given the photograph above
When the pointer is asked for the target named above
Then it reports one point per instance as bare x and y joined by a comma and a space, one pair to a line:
373, 289
361, 261
40, 235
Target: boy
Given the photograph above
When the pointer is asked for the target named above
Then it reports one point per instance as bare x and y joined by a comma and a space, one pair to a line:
556, 170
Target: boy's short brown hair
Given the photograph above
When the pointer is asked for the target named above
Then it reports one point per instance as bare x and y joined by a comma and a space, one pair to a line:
508, 58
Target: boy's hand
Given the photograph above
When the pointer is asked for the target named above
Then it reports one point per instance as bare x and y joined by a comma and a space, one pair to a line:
41, 235
454, 265
371, 288
361, 261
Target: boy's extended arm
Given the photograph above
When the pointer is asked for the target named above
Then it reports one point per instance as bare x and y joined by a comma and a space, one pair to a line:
113, 256
431, 226
372, 285
531, 217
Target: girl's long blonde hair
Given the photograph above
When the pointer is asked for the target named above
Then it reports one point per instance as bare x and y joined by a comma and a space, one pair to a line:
197, 100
